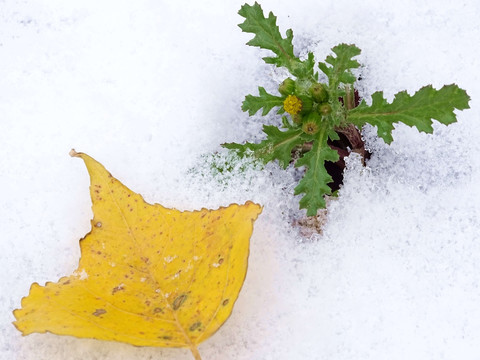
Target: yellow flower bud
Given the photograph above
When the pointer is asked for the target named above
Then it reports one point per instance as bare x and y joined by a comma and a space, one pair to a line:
310, 127
324, 109
319, 92
292, 104
287, 87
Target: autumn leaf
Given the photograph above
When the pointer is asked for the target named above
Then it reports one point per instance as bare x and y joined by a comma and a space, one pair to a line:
148, 275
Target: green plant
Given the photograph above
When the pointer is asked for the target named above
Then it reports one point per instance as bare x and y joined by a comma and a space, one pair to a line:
318, 112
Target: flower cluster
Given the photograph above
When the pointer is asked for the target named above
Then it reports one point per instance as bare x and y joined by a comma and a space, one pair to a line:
307, 106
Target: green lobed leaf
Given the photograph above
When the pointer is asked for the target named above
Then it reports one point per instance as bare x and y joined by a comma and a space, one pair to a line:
277, 146
417, 110
314, 183
339, 71
265, 100
267, 36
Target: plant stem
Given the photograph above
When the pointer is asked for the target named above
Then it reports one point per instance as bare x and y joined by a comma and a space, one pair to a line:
195, 352
349, 99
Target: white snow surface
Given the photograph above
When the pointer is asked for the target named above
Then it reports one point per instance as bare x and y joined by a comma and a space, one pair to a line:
151, 88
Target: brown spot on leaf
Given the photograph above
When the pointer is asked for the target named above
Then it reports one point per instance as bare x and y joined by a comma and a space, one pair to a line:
158, 310
195, 326
98, 224
118, 288
179, 301
225, 302
99, 312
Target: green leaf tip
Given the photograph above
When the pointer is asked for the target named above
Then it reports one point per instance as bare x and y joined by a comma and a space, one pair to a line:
341, 65
417, 110
265, 100
277, 146
268, 36
314, 183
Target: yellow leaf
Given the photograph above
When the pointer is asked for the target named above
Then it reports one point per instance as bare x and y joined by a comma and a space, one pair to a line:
148, 275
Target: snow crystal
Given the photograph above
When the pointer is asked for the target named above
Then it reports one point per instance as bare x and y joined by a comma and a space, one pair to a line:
82, 275
169, 259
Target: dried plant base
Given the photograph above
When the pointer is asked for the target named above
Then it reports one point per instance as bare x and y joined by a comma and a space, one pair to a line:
350, 141
311, 225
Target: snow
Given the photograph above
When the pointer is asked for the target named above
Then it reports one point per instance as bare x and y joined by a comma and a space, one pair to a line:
151, 89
